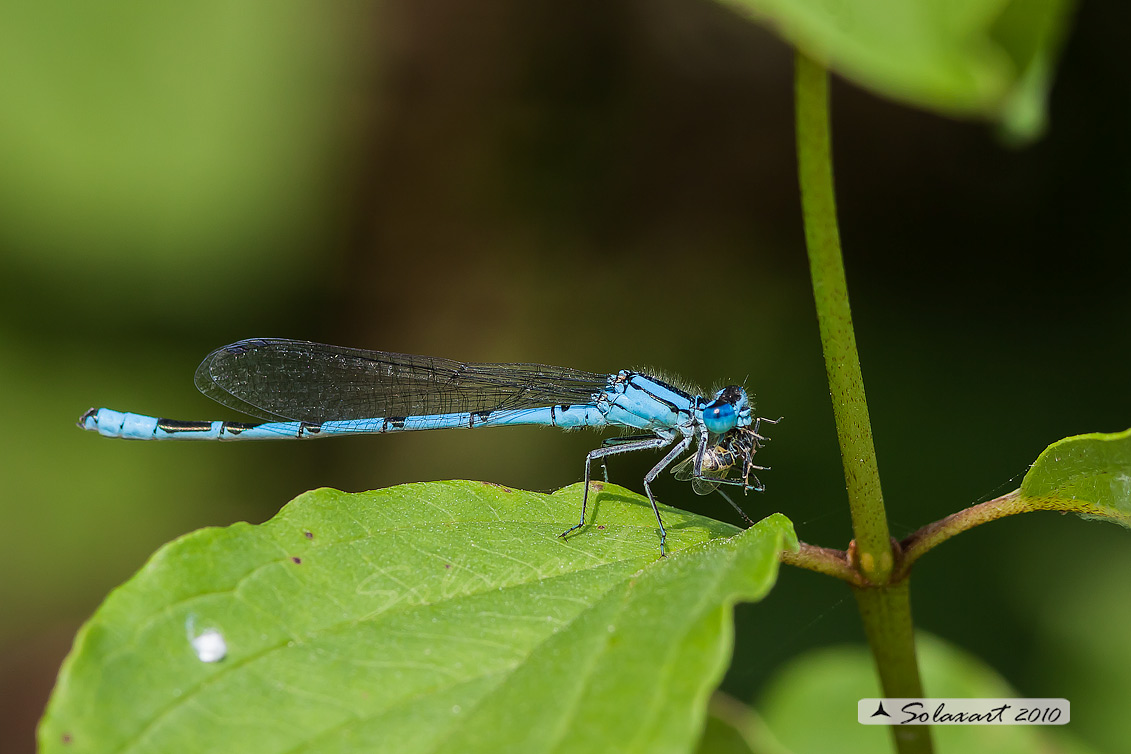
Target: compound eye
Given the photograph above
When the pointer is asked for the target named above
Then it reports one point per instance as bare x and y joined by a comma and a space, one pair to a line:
719, 417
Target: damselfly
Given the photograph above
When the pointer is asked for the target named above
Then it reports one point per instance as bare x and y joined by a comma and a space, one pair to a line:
307, 390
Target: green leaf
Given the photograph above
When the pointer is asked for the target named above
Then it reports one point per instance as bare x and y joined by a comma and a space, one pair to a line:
811, 703
1031, 32
1080, 620
1087, 474
423, 618
989, 59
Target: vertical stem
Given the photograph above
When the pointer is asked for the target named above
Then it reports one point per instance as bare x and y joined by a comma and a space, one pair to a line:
884, 609
886, 613
842, 363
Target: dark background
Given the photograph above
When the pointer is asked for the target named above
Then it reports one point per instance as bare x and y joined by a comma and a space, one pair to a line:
599, 185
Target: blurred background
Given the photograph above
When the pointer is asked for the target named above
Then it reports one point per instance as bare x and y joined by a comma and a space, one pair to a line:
598, 185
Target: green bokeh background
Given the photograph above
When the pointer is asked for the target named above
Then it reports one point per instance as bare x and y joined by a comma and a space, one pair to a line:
587, 184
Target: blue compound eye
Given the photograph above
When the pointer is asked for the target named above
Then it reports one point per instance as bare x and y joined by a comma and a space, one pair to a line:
719, 417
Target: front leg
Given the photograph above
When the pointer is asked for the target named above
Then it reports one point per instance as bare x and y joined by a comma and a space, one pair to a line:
701, 450
744, 482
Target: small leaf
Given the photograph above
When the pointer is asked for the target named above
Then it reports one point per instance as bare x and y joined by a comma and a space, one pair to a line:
424, 618
1031, 32
1087, 474
734, 728
968, 58
811, 704
721, 737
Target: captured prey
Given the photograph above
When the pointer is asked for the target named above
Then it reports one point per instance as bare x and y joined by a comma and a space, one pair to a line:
306, 390
710, 467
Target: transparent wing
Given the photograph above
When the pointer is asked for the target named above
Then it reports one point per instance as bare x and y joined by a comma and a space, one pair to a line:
685, 469
704, 486
718, 461
294, 380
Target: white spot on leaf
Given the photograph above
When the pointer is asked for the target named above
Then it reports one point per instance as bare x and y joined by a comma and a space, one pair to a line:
209, 645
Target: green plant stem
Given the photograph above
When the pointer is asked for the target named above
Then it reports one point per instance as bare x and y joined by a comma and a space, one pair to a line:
747, 723
886, 613
840, 564
915, 545
932, 535
885, 610
842, 363
824, 560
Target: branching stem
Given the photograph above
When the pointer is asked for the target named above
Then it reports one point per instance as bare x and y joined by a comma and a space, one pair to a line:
885, 609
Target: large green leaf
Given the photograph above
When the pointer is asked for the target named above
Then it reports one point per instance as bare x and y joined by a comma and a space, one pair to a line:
1088, 474
424, 618
969, 58
811, 704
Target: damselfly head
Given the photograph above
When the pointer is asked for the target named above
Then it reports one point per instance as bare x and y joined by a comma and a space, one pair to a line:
730, 409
